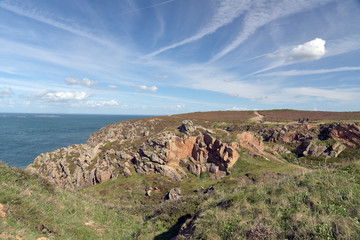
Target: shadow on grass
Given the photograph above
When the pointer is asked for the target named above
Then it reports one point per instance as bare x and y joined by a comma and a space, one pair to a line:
173, 231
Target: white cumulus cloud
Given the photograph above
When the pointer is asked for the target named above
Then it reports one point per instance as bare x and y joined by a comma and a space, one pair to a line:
84, 82
309, 51
53, 96
150, 89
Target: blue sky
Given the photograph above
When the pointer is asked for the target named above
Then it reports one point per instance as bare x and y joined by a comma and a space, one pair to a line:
175, 56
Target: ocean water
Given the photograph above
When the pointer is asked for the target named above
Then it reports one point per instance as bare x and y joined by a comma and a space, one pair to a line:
25, 136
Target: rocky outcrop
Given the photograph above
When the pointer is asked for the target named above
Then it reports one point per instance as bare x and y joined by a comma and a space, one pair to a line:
315, 149
310, 148
204, 153
107, 154
308, 139
112, 152
173, 195
294, 134
80, 165
187, 127
148, 147
348, 133
336, 149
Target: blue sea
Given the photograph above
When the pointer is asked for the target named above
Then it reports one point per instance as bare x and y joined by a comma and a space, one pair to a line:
25, 136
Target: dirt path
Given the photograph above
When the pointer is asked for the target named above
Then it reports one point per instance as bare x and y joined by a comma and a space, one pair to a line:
258, 117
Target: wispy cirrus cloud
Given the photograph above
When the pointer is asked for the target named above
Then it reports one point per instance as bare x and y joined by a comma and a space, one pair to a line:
267, 92
343, 45
321, 94
310, 72
311, 95
26, 10
263, 12
136, 9
227, 11
222, 83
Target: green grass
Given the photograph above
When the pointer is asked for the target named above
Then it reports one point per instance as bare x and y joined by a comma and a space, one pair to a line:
37, 208
257, 166
321, 204
259, 199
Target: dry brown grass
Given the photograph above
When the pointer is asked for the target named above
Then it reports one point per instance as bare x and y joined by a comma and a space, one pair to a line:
294, 115
218, 116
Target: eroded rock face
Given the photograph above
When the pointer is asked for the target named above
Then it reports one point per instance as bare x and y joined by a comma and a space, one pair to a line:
307, 138
203, 153
251, 142
348, 133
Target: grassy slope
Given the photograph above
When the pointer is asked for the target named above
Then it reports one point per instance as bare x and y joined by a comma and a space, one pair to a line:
322, 204
115, 209
37, 208
162, 219
277, 202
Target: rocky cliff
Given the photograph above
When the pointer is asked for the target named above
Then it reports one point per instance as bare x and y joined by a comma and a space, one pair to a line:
175, 148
